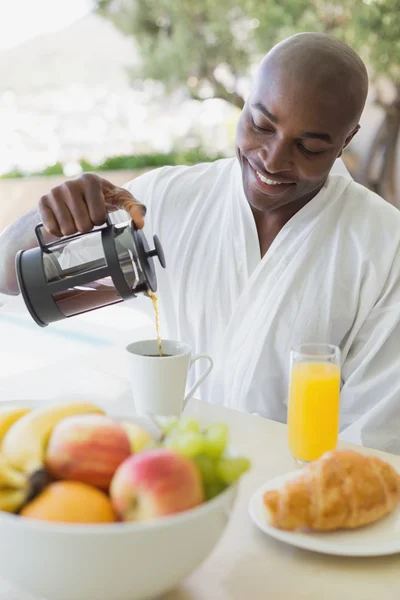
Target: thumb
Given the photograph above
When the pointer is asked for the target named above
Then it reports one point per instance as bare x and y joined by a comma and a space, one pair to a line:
120, 198
136, 210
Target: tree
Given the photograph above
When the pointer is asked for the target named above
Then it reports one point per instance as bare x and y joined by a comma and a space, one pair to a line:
378, 29
210, 46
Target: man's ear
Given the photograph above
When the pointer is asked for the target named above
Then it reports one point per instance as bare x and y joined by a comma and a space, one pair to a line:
348, 139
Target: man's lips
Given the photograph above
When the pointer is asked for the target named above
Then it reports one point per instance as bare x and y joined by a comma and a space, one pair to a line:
270, 184
271, 178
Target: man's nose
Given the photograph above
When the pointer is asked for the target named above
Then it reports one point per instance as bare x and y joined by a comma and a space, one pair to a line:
276, 157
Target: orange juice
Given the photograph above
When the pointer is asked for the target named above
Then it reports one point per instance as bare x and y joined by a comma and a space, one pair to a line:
313, 412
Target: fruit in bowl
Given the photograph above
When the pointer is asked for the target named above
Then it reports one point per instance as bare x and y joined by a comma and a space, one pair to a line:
70, 502
184, 486
208, 448
155, 483
153, 475
139, 438
25, 442
14, 487
119, 561
24, 433
87, 448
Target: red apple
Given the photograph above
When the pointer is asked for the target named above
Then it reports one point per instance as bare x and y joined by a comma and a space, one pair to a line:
87, 448
155, 483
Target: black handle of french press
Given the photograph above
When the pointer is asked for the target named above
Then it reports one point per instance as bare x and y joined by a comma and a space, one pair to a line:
45, 247
39, 237
158, 251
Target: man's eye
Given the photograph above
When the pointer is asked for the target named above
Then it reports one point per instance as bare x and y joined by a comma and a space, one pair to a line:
258, 128
310, 152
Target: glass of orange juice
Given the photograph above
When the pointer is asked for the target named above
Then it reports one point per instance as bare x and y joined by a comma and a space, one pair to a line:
313, 407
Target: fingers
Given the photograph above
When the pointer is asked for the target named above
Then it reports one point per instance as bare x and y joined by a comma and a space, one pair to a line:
74, 206
56, 216
48, 218
137, 211
64, 218
72, 197
79, 204
76, 202
120, 198
94, 198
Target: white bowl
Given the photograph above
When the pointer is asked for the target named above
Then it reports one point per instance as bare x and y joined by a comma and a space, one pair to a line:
121, 561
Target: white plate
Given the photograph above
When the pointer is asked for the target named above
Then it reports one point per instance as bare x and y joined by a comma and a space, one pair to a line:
378, 539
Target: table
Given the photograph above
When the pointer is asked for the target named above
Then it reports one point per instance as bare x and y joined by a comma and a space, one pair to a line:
246, 564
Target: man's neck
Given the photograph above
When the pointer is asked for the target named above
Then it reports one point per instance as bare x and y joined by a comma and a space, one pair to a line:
269, 223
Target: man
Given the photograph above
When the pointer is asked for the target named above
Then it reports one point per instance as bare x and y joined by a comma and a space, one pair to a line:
272, 249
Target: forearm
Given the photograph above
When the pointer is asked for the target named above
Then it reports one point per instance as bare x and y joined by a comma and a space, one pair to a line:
20, 235
75, 205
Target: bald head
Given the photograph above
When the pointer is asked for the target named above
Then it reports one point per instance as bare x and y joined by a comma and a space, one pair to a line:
303, 111
318, 61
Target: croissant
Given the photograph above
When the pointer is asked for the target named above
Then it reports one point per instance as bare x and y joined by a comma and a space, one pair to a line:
342, 490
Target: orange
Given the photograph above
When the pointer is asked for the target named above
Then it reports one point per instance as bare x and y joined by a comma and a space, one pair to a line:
70, 502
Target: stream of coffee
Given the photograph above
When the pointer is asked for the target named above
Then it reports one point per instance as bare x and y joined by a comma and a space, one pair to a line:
154, 300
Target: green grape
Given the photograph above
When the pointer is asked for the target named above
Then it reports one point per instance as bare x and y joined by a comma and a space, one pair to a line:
151, 445
168, 424
188, 443
189, 425
216, 438
171, 441
230, 469
207, 467
213, 488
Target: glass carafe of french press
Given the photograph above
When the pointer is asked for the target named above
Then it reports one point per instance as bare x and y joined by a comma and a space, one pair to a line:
86, 271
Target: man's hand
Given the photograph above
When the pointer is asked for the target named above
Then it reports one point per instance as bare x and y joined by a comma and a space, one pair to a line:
80, 204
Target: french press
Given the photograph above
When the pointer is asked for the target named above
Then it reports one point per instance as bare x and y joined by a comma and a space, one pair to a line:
86, 271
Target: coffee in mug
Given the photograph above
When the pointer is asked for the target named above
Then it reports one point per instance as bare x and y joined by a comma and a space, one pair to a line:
158, 386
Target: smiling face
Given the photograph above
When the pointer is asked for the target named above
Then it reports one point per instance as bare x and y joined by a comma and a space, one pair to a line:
293, 127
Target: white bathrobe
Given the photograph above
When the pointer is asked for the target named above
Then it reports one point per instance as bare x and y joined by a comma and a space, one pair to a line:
331, 275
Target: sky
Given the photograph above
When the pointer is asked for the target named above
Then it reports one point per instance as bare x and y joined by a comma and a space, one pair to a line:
21, 20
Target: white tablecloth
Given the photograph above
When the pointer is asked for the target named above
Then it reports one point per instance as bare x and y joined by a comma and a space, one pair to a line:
92, 342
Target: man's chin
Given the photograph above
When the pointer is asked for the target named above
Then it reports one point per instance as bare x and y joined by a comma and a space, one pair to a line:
264, 201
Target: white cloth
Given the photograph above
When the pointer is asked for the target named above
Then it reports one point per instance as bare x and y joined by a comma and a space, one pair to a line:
331, 275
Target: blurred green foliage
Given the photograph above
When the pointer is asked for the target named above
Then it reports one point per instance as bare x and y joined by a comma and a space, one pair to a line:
140, 161
184, 41
13, 174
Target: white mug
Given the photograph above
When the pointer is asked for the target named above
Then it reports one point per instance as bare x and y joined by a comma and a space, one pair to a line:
159, 383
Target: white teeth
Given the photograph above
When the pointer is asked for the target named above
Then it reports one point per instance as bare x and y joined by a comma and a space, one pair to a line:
266, 180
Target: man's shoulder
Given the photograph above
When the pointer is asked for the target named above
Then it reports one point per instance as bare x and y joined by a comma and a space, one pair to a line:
179, 178
372, 223
368, 208
171, 189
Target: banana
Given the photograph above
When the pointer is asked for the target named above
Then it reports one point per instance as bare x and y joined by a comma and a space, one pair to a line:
11, 500
10, 478
138, 437
24, 444
8, 416
14, 487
